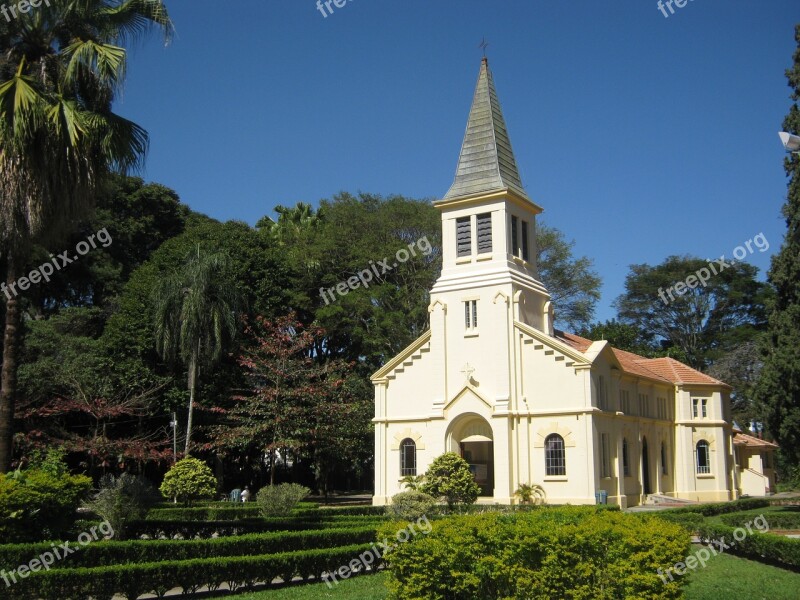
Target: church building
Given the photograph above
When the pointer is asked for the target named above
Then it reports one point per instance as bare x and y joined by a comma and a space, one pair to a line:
521, 401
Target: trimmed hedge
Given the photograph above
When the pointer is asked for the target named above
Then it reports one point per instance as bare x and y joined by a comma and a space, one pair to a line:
101, 583
231, 512
579, 553
720, 508
763, 547
690, 521
111, 553
206, 529
776, 520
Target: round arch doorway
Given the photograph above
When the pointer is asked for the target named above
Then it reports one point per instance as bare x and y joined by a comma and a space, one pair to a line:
470, 436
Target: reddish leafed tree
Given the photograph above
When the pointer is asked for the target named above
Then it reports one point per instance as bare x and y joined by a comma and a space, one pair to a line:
296, 403
105, 428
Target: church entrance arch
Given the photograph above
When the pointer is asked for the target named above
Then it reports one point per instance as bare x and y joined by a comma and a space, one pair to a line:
470, 436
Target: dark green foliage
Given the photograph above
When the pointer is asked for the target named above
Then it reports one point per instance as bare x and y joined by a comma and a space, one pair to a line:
567, 552
37, 504
573, 284
721, 508
702, 324
787, 520
123, 499
135, 580
449, 478
764, 547
779, 388
112, 553
280, 500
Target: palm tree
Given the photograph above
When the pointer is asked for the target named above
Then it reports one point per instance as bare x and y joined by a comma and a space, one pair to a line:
195, 317
61, 67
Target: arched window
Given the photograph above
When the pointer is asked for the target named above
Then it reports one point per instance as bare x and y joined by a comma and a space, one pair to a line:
664, 469
408, 457
703, 457
555, 462
626, 468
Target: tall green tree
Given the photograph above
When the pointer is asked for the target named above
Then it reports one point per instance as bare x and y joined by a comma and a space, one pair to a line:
195, 317
60, 70
702, 323
573, 284
778, 389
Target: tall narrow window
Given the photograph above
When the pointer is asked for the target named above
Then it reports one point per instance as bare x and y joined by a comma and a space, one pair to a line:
514, 238
626, 469
605, 455
525, 255
463, 236
602, 404
703, 458
471, 314
664, 469
484, 233
704, 406
408, 458
555, 461
695, 402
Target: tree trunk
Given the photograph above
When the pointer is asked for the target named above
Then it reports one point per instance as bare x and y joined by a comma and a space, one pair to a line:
8, 376
192, 386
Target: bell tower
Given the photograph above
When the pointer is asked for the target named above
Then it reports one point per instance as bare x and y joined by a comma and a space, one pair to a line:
489, 225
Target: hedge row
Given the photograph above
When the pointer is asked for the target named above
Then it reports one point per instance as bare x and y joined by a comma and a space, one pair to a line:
132, 581
110, 553
203, 529
690, 521
567, 552
764, 547
776, 520
719, 508
231, 512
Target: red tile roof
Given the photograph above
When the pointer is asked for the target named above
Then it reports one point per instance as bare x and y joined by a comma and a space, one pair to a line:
667, 370
742, 439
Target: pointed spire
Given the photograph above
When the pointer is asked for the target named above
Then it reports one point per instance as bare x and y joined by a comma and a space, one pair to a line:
486, 163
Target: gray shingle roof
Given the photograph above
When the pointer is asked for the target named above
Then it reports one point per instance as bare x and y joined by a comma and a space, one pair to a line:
486, 163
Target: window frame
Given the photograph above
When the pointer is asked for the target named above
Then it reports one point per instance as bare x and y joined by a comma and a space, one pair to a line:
703, 467
555, 456
405, 470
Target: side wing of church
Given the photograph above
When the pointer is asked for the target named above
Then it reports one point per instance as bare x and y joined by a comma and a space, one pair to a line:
493, 381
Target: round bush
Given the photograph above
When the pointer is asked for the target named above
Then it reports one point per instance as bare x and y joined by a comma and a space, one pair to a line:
189, 479
449, 478
411, 505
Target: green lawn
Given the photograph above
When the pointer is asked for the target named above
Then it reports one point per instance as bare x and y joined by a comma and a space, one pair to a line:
730, 576
724, 576
366, 587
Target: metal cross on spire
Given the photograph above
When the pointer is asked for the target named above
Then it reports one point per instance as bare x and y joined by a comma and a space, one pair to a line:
483, 45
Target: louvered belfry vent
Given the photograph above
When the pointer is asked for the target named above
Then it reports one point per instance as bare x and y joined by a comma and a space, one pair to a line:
484, 233
463, 236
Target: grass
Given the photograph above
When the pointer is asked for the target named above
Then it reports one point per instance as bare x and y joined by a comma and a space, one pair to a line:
365, 587
724, 576
730, 576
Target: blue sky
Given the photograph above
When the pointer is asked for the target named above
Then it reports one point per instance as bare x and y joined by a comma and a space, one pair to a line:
641, 136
